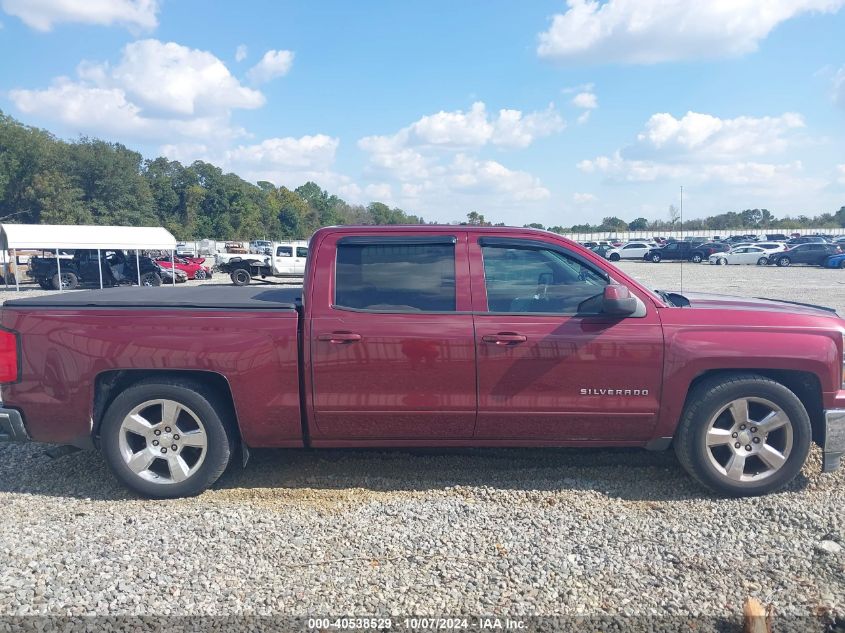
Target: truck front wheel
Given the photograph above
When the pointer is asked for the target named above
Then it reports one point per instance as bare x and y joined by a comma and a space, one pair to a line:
166, 440
743, 435
240, 277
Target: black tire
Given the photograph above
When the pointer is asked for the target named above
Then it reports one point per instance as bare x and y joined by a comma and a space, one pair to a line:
655, 257
200, 274
842, 264
240, 277
150, 279
696, 259
211, 411
615, 257
722, 261
712, 395
762, 261
784, 262
69, 281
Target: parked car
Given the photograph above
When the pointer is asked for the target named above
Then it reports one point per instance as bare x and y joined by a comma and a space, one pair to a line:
260, 247
602, 250
742, 255
807, 239
776, 237
770, 247
166, 274
402, 337
814, 253
286, 259
631, 250
116, 267
835, 261
192, 269
684, 251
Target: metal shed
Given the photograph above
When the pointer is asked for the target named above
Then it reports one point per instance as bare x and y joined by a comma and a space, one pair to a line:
56, 237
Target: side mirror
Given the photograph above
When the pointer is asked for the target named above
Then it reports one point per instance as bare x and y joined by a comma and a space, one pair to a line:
618, 300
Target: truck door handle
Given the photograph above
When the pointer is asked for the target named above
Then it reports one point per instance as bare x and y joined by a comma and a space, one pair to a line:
504, 338
339, 337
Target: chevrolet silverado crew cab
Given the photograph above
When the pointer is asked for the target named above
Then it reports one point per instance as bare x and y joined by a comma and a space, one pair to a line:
426, 336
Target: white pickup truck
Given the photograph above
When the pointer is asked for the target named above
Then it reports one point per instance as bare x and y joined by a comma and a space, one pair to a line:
286, 260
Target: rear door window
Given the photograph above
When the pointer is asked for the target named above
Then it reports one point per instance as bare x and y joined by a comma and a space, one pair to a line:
284, 251
396, 277
301, 251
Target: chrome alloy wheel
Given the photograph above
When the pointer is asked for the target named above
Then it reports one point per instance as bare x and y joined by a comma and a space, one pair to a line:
163, 441
749, 439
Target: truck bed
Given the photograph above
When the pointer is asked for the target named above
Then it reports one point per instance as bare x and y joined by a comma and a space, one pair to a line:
165, 297
71, 342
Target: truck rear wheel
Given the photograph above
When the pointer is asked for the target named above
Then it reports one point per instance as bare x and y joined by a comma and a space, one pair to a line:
743, 435
68, 281
166, 440
241, 277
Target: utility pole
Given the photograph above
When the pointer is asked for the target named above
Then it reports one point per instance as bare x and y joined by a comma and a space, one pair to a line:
681, 210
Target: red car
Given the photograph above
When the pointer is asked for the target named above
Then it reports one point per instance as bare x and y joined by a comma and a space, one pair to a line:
426, 336
193, 266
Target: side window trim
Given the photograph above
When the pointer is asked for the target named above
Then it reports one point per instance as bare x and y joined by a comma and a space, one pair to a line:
516, 242
378, 240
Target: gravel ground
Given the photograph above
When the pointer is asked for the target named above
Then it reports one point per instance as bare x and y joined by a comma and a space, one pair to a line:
505, 532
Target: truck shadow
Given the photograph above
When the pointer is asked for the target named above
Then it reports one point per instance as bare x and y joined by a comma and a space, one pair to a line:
624, 474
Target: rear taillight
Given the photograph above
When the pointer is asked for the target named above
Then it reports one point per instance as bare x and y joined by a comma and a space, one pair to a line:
8, 357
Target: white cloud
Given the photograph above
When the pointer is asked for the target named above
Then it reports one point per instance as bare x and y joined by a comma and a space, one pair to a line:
241, 52
583, 198
583, 117
650, 31
42, 15
156, 91
708, 136
586, 100
703, 148
273, 64
315, 152
481, 176
474, 128
429, 160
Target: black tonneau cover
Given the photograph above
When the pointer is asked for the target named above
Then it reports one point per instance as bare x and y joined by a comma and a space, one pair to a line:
167, 297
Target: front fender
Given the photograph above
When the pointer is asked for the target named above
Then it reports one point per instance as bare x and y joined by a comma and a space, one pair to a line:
692, 351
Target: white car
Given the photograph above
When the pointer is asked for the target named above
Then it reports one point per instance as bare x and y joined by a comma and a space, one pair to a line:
769, 247
631, 250
743, 255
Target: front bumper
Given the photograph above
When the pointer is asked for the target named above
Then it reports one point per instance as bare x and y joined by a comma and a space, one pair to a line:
834, 439
11, 426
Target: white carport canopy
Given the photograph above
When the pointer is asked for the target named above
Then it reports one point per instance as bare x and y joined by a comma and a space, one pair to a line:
61, 236
58, 237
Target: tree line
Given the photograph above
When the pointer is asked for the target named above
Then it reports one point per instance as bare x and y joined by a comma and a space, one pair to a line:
47, 180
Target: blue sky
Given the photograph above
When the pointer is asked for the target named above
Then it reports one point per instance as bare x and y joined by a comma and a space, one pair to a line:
549, 111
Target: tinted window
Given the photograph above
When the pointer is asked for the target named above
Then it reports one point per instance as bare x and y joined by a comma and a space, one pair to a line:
525, 279
301, 251
284, 251
635, 246
397, 277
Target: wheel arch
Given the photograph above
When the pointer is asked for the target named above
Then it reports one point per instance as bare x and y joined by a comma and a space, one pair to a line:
109, 384
804, 384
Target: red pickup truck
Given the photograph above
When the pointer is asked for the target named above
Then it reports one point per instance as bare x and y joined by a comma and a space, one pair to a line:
426, 336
